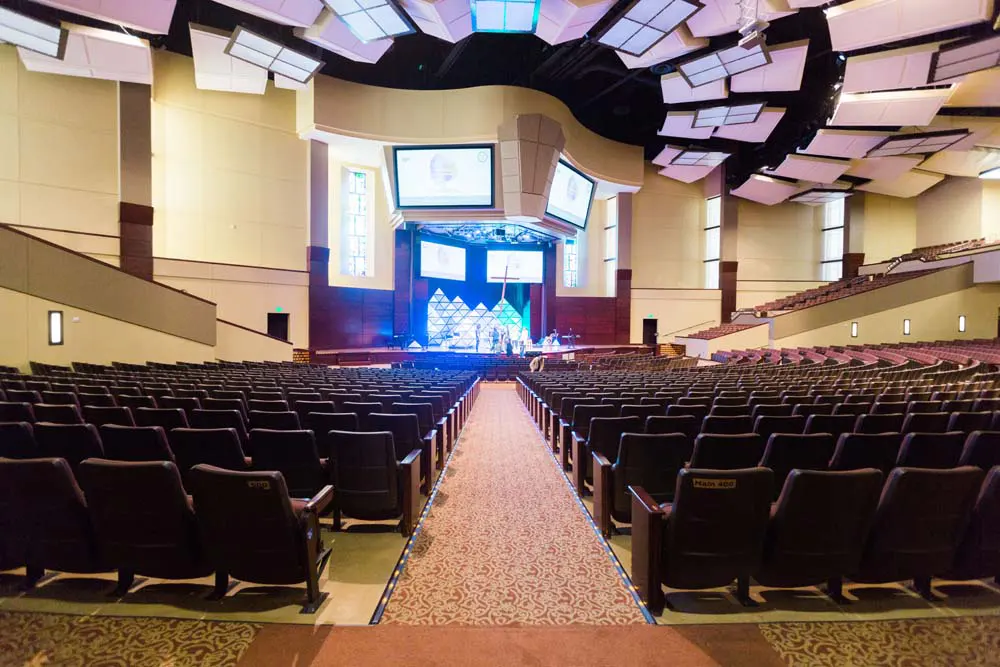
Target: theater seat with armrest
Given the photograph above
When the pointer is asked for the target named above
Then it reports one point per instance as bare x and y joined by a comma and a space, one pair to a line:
603, 437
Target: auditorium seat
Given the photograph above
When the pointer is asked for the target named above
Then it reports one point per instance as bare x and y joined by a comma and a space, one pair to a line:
712, 534
200, 394
914, 407
931, 450
338, 399
889, 408
809, 409
253, 531
661, 403
99, 416
967, 405
981, 449
293, 397
97, 400
407, 436
16, 412
135, 443
185, 403
919, 523
818, 528
967, 422
771, 410
891, 423
688, 425
642, 411
275, 421
425, 418
57, 414
24, 396
143, 521
362, 410
60, 398
978, 553
17, 441
850, 409
166, 418
727, 452
120, 391
786, 452
268, 406
135, 402
321, 423
229, 394
729, 411
926, 422
856, 451
219, 419
386, 401
219, 447
766, 425
225, 404
73, 442
648, 461
980, 405
727, 425
617, 402
603, 437
699, 412
303, 408
832, 424
294, 455
697, 401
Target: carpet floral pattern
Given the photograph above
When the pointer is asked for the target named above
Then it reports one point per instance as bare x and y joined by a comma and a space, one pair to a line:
505, 542
967, 641
69, 641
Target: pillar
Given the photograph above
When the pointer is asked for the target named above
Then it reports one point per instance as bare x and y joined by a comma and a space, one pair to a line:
728, 254
135, 168
318, 250
623, 277
854, 235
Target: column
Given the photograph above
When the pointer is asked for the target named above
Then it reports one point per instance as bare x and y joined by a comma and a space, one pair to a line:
854, 234
135, 206
318, 250
728, 253
623, 277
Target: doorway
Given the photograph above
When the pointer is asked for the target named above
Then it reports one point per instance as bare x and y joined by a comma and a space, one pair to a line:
277, 325
649, 328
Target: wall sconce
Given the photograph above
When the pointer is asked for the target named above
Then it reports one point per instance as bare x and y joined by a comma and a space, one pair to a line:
55, 327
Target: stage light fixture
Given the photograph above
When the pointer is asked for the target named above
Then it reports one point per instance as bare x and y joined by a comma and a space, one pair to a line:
699, 158
645, 23
506, 16
964, 57
820, 196
923, 143
32, 34
727, 115
257, 50
372, 19
724, 63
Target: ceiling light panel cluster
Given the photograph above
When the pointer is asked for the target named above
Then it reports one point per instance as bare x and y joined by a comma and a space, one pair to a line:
727, 115
646, 22
820, 196
257, 50
727, 62
964, 57
505, 16
32, 34
699, 158
372, 19
917, 144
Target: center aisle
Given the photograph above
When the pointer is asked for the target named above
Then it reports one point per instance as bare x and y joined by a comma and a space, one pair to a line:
505, 541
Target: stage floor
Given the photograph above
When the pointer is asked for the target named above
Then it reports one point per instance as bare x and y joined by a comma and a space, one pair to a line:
563, 349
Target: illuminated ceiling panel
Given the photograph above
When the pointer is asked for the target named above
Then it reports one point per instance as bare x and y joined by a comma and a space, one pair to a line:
686, 174
923, 143
92, 53
756, 132
788, 63
645, 22
676, 44
563, 21
332, 34
680, 124
720, 64
965, 57
677, 91
215, 70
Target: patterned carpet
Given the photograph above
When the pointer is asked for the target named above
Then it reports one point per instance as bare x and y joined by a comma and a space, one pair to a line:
505, 542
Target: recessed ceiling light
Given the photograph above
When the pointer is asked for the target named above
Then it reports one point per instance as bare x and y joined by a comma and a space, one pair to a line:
922, 143
645, 22
257, 50
724, 63
32, 34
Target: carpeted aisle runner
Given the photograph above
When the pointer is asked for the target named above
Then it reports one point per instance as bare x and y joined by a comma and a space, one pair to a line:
505, 541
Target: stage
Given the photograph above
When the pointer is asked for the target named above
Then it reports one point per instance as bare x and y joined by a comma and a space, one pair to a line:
383, 355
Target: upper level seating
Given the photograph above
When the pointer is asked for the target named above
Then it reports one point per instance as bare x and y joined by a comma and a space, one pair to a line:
720, 331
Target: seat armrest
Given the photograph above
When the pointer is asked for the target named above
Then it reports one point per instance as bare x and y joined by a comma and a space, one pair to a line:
602, 494
411, 491
318, 503
579, 475
647, 546
411, 458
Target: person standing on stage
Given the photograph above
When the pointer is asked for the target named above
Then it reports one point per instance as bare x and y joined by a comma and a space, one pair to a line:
477, 338
494, 340
525, 340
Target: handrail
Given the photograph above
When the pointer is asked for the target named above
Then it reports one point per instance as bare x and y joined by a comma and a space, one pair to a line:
690, 327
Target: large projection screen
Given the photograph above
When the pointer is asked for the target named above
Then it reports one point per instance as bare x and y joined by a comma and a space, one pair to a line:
444, 176
519, 266
442, 261
570, 196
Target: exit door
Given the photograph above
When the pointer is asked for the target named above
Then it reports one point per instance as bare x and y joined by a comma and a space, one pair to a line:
649, 327
277, 325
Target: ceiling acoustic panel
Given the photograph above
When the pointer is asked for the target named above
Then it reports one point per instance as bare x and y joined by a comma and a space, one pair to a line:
968, 164
756, 132
882, 168
694, 157
723, 16
563, 21
918, 143
667, 155
819, 196
300, 13
889, 70
214, 69
909, 184
92, 53
898, 108
332, 34
800, 4
449, 20
645, 22
717, 116
686, 174
676, 44
681, 124
766, 190
860, 24
720, 64
843, 143
980, 89
965, 57
677, 91
812, 168
985, 130
788, 62
152, 16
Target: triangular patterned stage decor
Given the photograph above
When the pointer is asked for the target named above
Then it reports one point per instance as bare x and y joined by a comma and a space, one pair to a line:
454, 323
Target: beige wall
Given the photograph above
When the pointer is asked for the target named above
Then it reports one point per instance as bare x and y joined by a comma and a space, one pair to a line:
590, 243
230, 175
991, 210
244, 295
677, 311
59, 157
781, 242
887, 228
668, 219
238, 344
88, 337
931, 319
950, 211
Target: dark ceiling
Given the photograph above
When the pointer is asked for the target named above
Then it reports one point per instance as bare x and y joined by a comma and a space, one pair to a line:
613, 101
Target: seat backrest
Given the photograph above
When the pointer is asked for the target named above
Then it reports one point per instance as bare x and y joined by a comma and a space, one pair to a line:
606, 433
338, 399
967, 422
923, 406
275, 421
293, 397
727, 452
16, 412
268, 406
926, 422
185, 403
786, 452
73, 442
225, 404
168, 418
727, 425
24, 396
423, 411
931, 450
17, 441
567, 406
716, 527
855, 451
642, 411
57, 414
136, 402
889, 408
362, 410
405, 431
321, 423
819, 525
850, 409
293, 454
980, 405
772, 410
920, 520
366, 477
303, 408
982, 449
135, 443
809, 409
958, 405
583, 416
832, 424
99, 416
247, 524
649, 461
143, 521
978, 555
705, 401
60, 398
699, 412
219, 447
660, 403
891, 423
766, 425
47, 513
742, 410
219, 419
688, 425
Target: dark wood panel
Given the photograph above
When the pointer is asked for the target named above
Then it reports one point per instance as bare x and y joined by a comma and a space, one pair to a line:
592, 319
402, 281
346, 317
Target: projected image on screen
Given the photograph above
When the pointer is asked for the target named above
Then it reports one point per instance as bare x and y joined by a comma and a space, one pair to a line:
443, 177
519, 266
442, 261
570, 196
